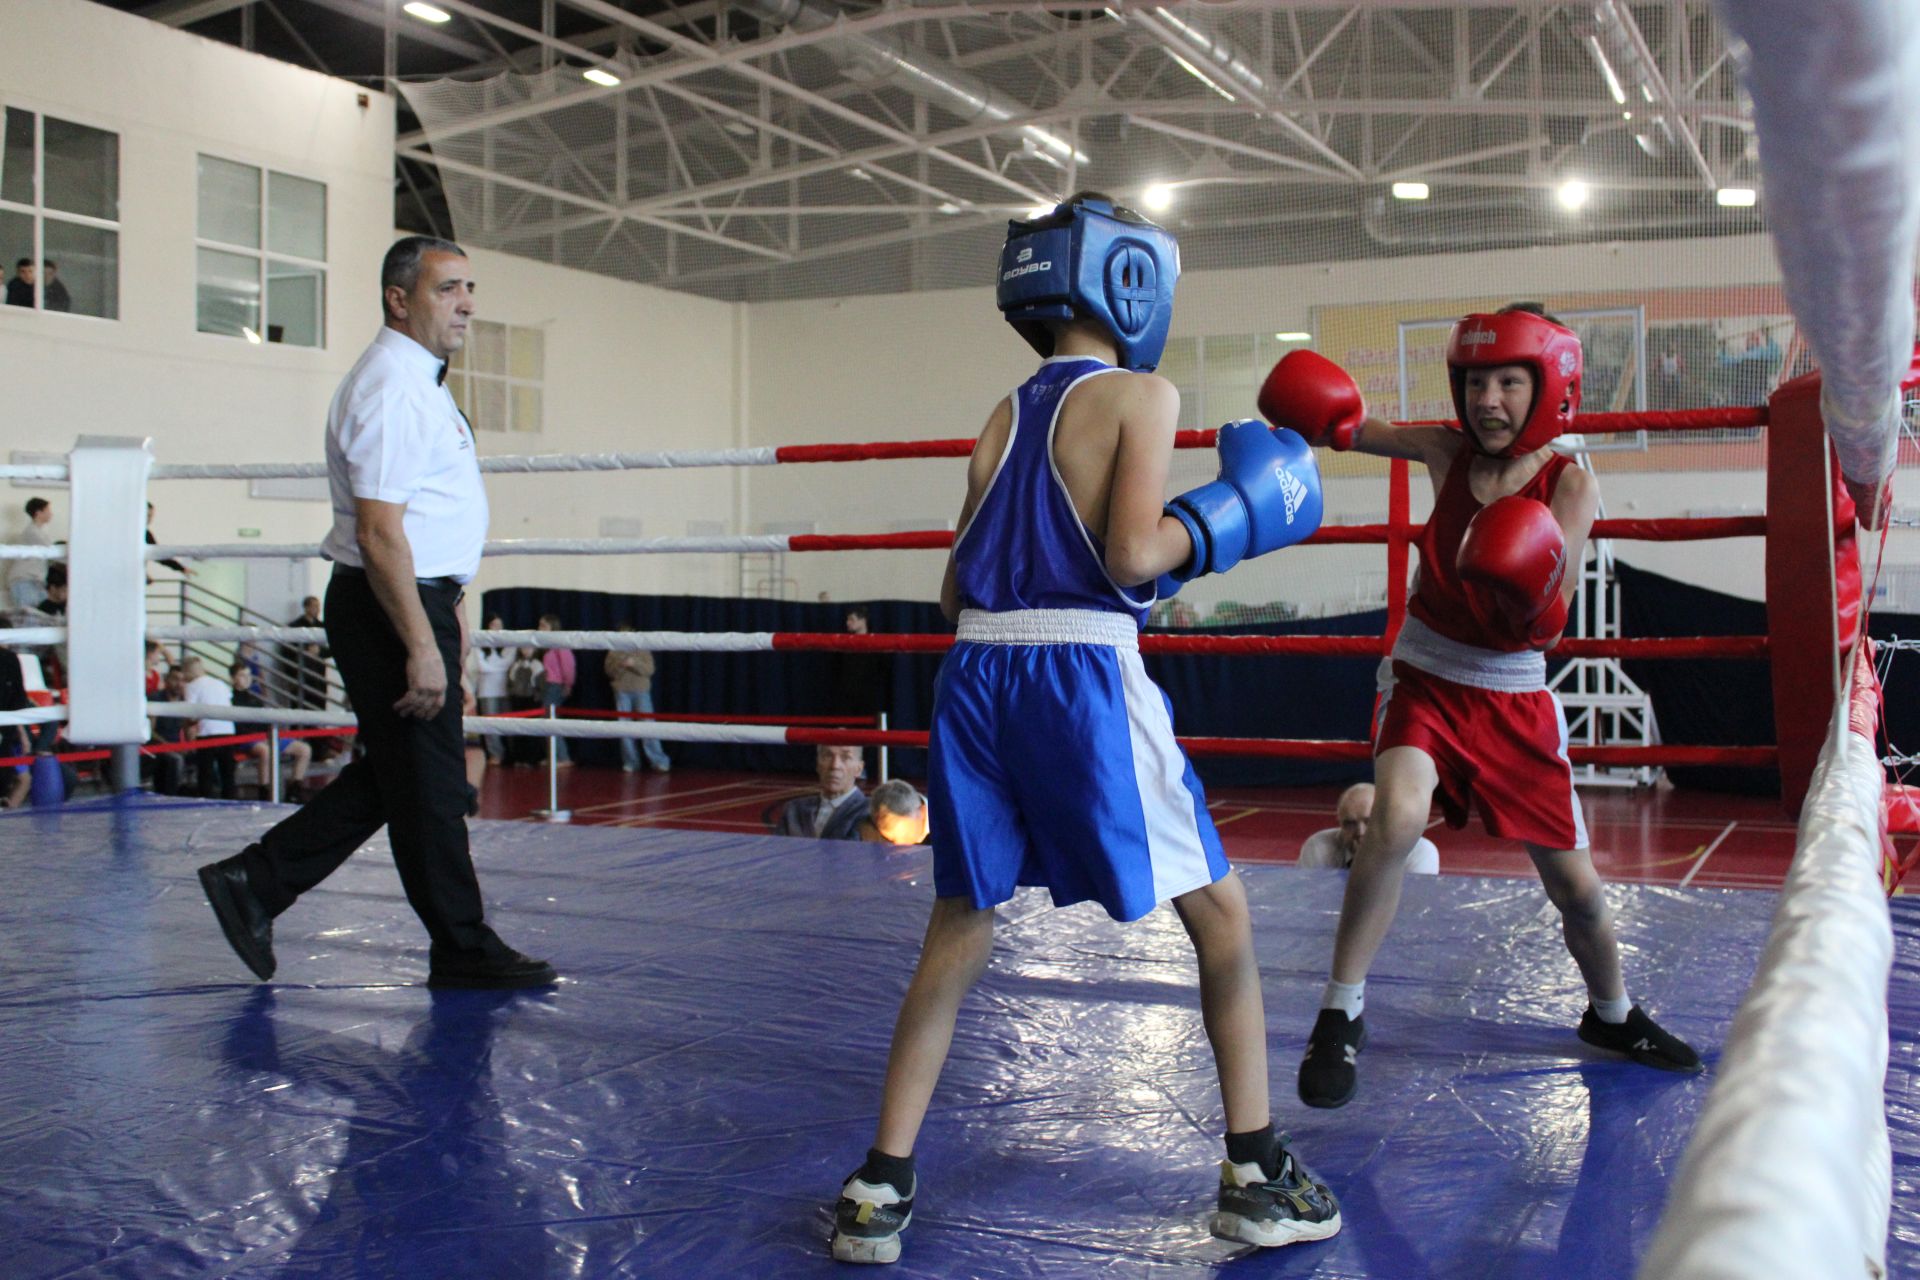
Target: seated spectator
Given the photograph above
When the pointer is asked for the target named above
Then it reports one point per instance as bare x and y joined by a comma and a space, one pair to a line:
170, 767
1335, 846
213, 764
295, 751
156, 669
55, 605
897, 814
836, 811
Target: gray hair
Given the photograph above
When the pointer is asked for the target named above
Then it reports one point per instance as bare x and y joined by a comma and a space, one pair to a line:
897, 797
401, 267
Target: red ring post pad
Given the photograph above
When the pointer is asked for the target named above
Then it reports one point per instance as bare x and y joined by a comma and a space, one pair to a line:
1812, 579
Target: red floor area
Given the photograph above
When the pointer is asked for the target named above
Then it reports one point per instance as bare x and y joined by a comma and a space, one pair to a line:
1651, 836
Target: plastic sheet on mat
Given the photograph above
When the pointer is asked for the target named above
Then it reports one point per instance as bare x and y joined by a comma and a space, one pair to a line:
686, 1103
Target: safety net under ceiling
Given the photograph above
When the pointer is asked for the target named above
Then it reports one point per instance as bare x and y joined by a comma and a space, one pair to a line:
802, 148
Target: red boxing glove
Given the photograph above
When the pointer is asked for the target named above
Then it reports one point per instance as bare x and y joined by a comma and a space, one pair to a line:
1316, 397
1511, 564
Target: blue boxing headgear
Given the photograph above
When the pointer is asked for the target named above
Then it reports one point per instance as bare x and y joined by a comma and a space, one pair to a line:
1090, 260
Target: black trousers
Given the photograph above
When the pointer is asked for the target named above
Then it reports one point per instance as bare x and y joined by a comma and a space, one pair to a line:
411, 778
215, 768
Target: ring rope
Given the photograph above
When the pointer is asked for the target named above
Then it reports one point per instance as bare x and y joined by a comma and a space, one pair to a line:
885, 450
1725, 647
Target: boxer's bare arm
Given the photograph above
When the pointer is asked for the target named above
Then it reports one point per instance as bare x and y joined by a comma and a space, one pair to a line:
1142, 542
1576, 501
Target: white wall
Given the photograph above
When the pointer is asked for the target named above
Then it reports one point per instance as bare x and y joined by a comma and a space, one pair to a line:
627, 367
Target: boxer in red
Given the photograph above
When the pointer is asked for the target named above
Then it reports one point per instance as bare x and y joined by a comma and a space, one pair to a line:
1465, 712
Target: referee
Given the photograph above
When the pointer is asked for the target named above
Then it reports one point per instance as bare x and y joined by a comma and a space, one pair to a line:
409, 520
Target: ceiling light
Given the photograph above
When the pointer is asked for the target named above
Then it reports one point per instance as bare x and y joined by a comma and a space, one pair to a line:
1572, 194
1158, 198
600, 76
1039, 211
1736, 197
250, 335
427, 13
1410, 191
948, 206
1293, 337
738, 128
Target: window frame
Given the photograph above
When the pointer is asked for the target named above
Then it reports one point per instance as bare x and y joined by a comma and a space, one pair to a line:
461, 373
39, 212
263, 255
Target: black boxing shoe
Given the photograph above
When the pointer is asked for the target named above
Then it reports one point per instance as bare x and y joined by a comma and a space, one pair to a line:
247, 924
1642, 1039
493, 968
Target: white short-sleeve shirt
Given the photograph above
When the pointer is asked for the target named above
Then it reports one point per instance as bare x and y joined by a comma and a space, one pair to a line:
394, 434
214, 692
1322, 849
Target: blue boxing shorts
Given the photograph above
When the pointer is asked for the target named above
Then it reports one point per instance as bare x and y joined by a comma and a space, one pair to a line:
1052, 762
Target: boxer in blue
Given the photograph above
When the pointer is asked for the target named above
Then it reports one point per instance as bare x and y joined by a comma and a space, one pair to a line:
1052, 759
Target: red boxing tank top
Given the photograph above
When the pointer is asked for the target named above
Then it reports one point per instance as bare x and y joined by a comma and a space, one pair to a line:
1438, 600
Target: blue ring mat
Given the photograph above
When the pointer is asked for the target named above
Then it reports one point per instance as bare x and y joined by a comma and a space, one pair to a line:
686, 1103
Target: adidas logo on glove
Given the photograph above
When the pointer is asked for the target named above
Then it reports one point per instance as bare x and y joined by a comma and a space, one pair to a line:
1292, 492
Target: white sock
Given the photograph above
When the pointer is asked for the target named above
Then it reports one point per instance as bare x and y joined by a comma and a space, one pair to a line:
1614, 1011
1351, 997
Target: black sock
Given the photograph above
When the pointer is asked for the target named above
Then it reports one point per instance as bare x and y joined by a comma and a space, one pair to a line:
1257, 1146
897, 1171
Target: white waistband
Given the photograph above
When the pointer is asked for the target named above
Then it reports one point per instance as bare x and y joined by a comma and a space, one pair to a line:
1050, 626
1421, 646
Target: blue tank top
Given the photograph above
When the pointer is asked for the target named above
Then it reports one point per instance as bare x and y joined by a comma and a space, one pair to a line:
1026, 547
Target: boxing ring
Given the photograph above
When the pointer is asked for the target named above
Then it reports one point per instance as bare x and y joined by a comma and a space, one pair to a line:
686, 1102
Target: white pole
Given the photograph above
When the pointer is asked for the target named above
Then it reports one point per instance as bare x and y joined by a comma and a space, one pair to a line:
553, 812
884, 775
273, 763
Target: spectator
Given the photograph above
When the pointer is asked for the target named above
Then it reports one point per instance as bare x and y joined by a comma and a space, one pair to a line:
20, 288
836, 811
1335, 846
14, 739
27, 579
55, 604
56, 297
181, 569
156, 669
526, 682
559, 667
630, 672
213, 764
897, 814
487, 677
170, 767
248, 656
861, 680
297, 753
306, 664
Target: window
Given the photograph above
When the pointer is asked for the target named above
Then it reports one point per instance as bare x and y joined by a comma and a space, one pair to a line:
60, 215
496, 378
262, 254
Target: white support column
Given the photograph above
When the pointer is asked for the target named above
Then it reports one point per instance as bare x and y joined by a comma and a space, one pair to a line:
107, 589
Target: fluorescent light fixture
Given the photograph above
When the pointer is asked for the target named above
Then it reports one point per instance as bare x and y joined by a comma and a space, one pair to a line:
1039, 211
250, 335
427, 13
1736, 197
1410, 191
1614, 86
862, 174
1572, 194
600, 76
738, 128
1198, 74
1293, 337
948, 207
1158, 198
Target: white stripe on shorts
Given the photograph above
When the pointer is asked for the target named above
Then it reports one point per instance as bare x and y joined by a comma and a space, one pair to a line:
1579, 818
1159, 768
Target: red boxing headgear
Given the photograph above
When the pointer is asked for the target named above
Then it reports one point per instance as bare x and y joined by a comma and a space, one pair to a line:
1552, 351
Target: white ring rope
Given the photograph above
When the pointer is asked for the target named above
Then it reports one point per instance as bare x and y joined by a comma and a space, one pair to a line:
730, 543
652, 641
515, 464
34, 715
509, 726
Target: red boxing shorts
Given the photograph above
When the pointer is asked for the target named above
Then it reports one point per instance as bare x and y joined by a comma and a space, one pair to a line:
1506, 752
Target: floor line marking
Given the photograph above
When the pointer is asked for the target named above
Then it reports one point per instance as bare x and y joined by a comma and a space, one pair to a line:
1707, 853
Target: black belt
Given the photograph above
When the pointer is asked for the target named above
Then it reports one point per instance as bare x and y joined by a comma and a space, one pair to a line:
446, 583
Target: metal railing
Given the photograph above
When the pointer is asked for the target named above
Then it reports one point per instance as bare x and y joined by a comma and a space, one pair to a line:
287, 678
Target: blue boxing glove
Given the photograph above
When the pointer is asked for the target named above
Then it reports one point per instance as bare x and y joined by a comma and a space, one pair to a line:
1267, 497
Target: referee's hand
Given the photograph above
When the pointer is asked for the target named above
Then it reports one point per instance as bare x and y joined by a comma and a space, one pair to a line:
426, 686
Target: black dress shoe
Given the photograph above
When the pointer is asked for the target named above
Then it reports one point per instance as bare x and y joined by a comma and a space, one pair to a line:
496, 968
248, 926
